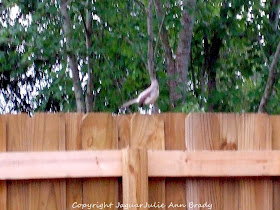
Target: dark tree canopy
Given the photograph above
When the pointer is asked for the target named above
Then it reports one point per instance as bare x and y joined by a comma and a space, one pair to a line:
214, 55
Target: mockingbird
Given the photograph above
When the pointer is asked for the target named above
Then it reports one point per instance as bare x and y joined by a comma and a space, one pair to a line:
148, 96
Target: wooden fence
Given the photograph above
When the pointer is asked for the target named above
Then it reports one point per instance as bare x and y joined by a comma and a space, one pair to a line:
218, 161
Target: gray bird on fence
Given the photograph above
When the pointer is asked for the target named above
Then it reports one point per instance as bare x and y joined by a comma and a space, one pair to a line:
148, 96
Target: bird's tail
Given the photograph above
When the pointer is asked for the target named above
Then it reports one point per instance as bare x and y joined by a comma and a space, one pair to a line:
126, 104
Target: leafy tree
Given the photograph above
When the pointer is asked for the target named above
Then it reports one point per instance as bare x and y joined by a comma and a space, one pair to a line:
86, 55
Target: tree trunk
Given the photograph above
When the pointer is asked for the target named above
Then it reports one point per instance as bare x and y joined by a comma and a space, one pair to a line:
88, 31
170, 62
80, 105
184, 47
211, 59
214, 46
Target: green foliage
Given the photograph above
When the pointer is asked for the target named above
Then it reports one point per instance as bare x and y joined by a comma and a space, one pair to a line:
35, 75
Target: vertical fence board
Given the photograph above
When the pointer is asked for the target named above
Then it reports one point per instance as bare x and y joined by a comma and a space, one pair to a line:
3, 184
46, 132
203, 133
98, 131
17, 140
74, 187
255, 134
275, 123
43, 132
123, 130
228, 135
148, 132
174, 133
135, 177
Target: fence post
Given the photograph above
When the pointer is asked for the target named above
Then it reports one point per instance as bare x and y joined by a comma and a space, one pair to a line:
135, 177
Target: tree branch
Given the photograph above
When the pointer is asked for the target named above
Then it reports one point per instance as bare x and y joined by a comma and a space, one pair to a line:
139, 53
170, 63
150, 40
84, 22
274, 13
270, 80
141, 4
263, 54
273, 18
160, 28
163, 32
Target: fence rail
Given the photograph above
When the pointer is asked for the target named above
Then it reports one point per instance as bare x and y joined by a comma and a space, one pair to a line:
109, 163
58, 161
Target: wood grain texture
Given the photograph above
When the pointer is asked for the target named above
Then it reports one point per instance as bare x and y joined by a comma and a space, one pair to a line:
255, 133
123, 123
48, 132
174, 130
135, 177
229, 134
275, 123
3, 184
108, 163
68, 164
74, 187
43, 132
3, 139
203, 133
174, 135
213, 163
98, 131
147, 131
